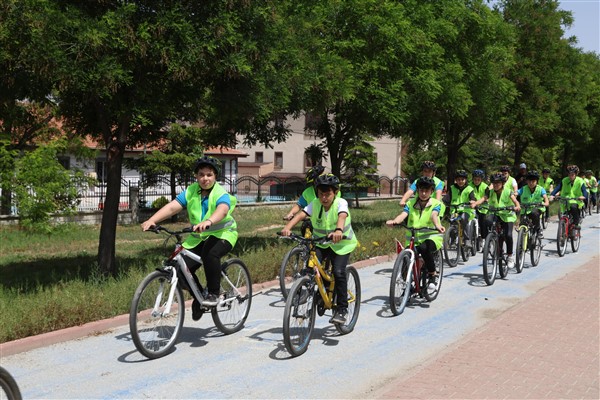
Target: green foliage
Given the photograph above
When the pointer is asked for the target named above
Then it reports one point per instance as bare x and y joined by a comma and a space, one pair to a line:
160, 202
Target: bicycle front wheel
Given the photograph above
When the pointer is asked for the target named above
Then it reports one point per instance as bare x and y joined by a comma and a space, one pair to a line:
290, 269
544, 220
299, 316
536, 249
561, 237
521, 249
154, 324
400, 285
575, 239
431, 289
451, 246
490, 259
8, 386
236, 296
353, 301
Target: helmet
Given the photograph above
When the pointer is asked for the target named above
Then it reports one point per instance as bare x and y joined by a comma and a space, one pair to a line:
505, 168
479, 173
533, 175
588, 172
573, 169
461, 173
546, 171
425, 182
210, 161
428, 165
327, 180
313, 172
497, 177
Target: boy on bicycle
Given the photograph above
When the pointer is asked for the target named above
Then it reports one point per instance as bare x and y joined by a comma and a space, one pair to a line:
479, 188
427, 170
548, 184
591, 186
534, 193
572, 186
330, 216
510, 182
423, 211
461, 193
501, 195
209, 209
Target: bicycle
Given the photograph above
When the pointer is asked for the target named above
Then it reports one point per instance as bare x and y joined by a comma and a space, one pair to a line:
494, 259
567, 230
158, 306
293, 262
313, 293
10, 389
528, 239
454, 238
409, 278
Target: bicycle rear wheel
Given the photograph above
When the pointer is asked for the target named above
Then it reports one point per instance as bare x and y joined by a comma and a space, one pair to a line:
236, 292
561, 237
490, 259
292, 264
521, 249
8, 386
575, 239
431, 290
299, 316
544, 220
536, 249
154, 330
451, 246
353, 301
474, 228
400, 285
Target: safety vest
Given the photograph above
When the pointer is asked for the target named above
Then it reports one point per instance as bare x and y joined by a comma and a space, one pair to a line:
479, 192
225, 229
462, 196
418, 218
503, 201
536, 197
572, 189
509, 183
593, 184
546, 183
326, 223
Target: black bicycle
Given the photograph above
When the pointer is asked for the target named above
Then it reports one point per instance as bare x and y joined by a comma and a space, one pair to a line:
10, 389
494, 258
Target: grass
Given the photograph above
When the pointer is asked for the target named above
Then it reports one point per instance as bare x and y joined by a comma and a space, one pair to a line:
50, 282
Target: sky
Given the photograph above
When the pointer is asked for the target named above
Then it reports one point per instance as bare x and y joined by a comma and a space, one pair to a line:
586, 26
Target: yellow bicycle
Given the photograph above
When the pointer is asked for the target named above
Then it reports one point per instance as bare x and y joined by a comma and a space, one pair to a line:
313, 294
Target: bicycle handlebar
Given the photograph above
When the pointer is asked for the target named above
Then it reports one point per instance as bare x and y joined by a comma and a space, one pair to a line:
425, 228
159, 228
302, 239
532, 205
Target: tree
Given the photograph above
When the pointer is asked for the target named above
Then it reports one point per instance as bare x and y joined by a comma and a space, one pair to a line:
359, 166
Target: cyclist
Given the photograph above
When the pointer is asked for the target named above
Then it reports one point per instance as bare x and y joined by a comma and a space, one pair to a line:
592, 186
572, 186
423, 211
479, 188
534, 193
460, 193
330, 216
521, 177
509, 180
501, 195
209, 209
308, 194
548, 184
427, 170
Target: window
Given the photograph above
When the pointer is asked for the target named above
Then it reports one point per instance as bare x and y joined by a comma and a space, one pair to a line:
258, 157
278, 159
307, 162
101, 170
311, 123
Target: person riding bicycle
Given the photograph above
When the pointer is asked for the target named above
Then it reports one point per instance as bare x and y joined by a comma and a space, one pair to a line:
534, 193
521, 176
509, 180
461, 193
330, 217
209, 209
501, 195
479, 188
548, 184
591, 186
572, 186
423, 211
427, 170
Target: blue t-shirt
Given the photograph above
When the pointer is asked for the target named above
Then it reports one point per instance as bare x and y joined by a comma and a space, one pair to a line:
440, 186
224, 199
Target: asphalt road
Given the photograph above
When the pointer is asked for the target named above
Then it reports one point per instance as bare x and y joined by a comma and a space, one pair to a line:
253, 363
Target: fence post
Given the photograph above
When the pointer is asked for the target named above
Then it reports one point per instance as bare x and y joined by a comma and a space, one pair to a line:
134, 203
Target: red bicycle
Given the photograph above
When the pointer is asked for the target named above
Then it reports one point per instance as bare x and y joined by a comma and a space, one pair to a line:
409, 278
567, 230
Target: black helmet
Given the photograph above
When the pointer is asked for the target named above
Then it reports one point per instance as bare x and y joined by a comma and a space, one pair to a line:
210, 161
546, 171
533, 175
461, 173
505, 168
425, 182
588, 172
313, 172
479, 173
327, 180
428, 165
497, 177
573, 169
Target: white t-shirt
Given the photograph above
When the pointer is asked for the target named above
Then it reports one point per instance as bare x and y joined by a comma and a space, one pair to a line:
342, 207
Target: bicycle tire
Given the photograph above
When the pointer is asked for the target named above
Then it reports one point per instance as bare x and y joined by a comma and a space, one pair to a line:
465, 253
9, 386
299, 316
561, 237
451, 246
155, 334
502, 265
401, 283
575, 240
430, 292
236, 289
490, 259
536, 249
293, 262
474, 236
521, 249
544, 220
354, 291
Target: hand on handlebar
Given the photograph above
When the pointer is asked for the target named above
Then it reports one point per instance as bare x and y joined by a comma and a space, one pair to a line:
147, 225
202, 226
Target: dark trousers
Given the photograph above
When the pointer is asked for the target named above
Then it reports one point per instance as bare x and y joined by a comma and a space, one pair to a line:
338, 262
507, 230
211, 250
427, 249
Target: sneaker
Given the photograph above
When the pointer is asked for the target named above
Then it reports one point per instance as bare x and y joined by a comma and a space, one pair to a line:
211, 300
433, 279
467, 243
197, 311
339, 317
510, 262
